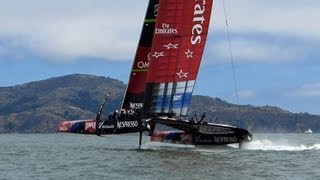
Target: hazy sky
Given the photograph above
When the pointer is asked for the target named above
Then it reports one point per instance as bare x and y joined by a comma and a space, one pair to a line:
275, 46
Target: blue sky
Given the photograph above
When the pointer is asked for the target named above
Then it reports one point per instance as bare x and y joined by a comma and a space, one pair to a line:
275, 46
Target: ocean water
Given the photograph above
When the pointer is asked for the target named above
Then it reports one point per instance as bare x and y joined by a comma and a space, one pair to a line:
74, 156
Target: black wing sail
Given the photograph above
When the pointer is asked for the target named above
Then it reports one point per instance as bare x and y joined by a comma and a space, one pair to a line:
137, 82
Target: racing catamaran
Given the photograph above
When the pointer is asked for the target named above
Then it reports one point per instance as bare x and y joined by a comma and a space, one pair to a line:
162, 79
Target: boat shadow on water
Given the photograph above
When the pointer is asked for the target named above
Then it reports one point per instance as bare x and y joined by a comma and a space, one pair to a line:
154, 146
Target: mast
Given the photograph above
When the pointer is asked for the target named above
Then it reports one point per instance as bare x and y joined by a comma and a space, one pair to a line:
134, 94
98, 117
179, 40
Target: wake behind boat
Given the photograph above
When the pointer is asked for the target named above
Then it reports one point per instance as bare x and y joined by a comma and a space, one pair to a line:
163, 77
309, 131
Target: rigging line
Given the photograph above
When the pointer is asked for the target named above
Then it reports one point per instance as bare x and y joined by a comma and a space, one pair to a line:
231, 56
197, 98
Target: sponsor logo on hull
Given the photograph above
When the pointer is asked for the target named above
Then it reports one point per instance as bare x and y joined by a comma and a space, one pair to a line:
214, 130
63, 128
218, 140
127, 124
225, 139
90, 126
107, 127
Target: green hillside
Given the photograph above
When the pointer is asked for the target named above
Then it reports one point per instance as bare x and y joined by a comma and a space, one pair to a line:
37, 107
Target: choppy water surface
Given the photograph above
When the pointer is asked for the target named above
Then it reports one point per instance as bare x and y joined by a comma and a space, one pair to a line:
71, 156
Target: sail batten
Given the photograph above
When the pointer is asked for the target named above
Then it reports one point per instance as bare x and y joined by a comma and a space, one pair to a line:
178, 43
150, 20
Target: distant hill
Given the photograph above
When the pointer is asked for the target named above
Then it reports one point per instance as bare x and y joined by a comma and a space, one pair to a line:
37, 107
255, 118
